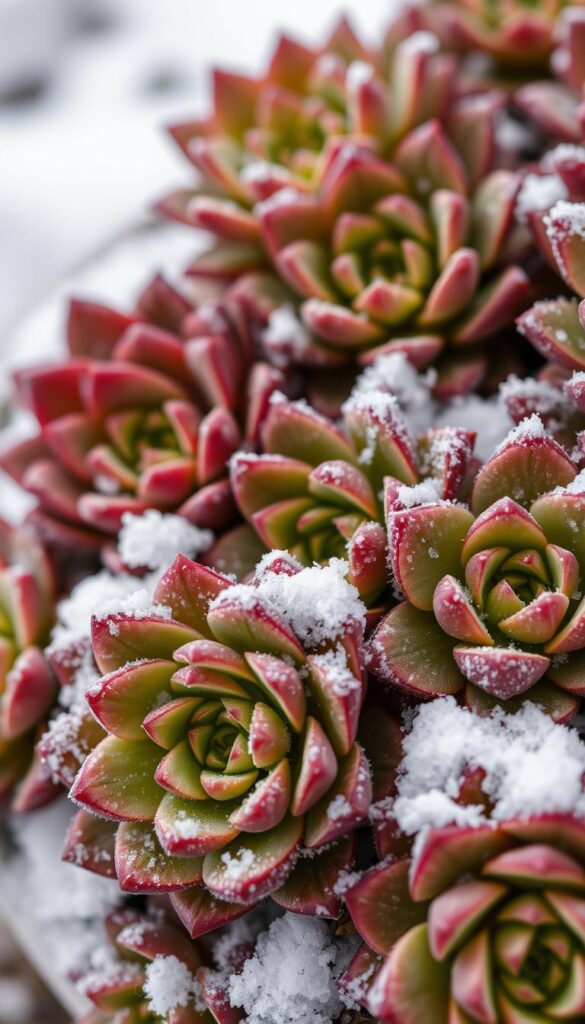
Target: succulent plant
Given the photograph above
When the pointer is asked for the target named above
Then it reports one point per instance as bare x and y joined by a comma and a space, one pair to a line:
28, 687
218, 763
557, 107
407, 254
486, 925
272, 131
378, 240
519, 37
318, 490
492, 600
119, 987
139, 417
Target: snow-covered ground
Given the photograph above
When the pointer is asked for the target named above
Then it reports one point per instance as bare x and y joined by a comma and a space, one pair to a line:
84, 158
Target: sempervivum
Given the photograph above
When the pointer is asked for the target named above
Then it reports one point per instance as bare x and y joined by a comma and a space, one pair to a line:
318, 490
146, 973
272, 131
500, 938
410, 255
28, 687
232, 714
494, 590
487, 921
519, 37
140, 416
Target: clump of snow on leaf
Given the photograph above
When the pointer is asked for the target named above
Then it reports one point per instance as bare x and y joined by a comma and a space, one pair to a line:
291, 979
531, 428
394, 374
138, 604
153, 540
74, 613
317, 602
532, 766
169, 984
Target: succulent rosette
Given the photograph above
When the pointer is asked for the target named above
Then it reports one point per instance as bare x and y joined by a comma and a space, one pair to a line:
28, 686
232, 738
486, 926
140, 417
412, 256
272, 131
517, 36
319, 490
141, 946
492, 592
392, 228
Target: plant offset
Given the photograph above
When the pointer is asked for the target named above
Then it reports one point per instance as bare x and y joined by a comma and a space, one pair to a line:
297, 619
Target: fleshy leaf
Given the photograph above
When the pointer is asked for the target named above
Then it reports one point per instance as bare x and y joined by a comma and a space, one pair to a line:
410, 650
142, 866
310, 888
425, 545
188, 828
381, 906
117, 780
253, 865
411, 987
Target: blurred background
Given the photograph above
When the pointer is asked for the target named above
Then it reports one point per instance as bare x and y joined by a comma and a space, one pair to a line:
85, 88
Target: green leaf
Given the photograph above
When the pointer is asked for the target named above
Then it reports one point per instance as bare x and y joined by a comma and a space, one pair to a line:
425, 545
126, 697
142, 866
410, 650
381, 906
412, 987
117, 780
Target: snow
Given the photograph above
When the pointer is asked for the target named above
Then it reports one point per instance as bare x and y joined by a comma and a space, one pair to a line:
153, 539
532, 766
395, 374
285, 337
380, 410
341, 679
238, 866
565, 153
169, 984
138, 605
291, 979
530, 428
317, 602
576, 486
484, 416
106, 968
420, 42
65, 740
359, 73
71, 636
563, 219
539, 192
89, 597
542, 396
63, 904
425, 493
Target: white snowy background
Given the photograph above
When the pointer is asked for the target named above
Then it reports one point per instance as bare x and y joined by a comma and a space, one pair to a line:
82, 159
